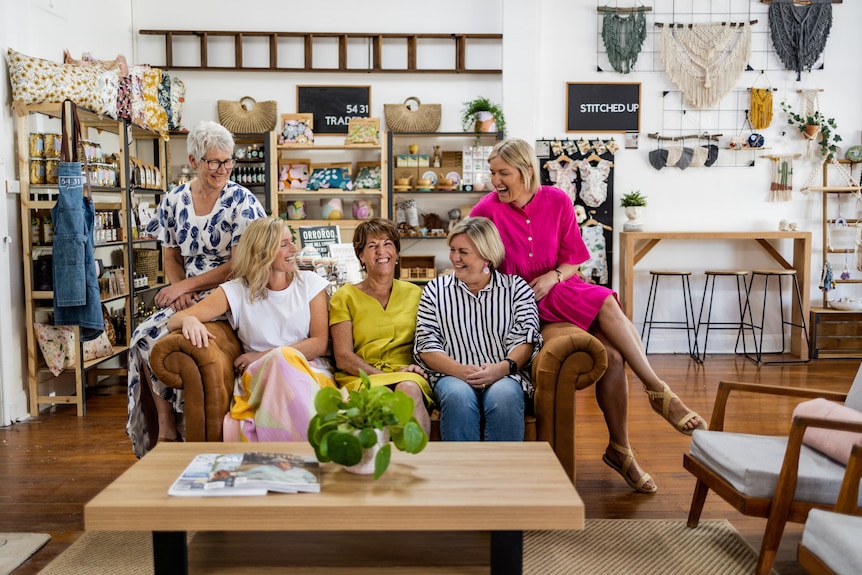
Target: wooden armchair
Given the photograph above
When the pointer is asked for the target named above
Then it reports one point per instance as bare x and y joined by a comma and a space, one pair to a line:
778, 478
830, 542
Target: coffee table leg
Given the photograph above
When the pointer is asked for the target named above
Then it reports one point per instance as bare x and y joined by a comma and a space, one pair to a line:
170, 554
507, 552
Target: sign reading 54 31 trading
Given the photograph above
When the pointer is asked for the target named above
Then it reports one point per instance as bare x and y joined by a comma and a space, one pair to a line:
607, 107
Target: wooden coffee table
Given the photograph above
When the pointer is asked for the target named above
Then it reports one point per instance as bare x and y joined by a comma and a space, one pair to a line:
501, 488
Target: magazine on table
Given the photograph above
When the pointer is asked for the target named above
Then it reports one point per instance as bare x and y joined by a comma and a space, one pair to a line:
250, 473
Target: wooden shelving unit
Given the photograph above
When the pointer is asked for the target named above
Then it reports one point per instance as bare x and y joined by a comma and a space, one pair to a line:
121, 138
835, 333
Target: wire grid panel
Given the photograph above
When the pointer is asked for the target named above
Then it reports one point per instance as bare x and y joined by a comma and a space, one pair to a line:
726, 119
666, 12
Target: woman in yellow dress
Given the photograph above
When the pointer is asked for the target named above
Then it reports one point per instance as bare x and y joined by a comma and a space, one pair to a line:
372, 323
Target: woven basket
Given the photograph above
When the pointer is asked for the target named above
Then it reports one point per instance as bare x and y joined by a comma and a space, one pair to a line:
147, 264
401, 118
248, 116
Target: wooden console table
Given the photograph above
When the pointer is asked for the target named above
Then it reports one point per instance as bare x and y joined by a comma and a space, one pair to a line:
635, 245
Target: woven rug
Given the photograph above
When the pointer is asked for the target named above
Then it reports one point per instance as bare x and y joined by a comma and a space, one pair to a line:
606, 546
15, 548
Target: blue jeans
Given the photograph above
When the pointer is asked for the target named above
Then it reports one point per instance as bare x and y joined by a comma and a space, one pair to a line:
463, 409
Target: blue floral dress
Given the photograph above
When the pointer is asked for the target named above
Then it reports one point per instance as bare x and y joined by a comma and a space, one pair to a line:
205, 243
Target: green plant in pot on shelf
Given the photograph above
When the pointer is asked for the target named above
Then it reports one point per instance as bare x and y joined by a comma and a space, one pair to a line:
815, 126
632, 204
482, 115
346, 431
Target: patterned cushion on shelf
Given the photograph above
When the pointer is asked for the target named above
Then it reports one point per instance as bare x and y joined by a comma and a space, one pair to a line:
57, 343
38, 81
328, 178
368, 178
155, 117
178, 100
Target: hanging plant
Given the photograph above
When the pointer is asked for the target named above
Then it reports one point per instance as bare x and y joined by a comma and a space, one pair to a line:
815, 126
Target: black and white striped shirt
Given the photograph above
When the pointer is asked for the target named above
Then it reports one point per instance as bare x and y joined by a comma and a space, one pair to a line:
477, 329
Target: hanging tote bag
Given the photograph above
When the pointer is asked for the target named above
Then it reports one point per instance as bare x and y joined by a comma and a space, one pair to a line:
402, 118
248, 116
76, 297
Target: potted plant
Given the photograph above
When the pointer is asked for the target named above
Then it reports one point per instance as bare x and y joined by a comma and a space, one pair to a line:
482, 115
815, 126
632, 203
360, 427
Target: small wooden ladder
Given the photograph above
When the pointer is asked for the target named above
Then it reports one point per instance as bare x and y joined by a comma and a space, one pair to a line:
412, 43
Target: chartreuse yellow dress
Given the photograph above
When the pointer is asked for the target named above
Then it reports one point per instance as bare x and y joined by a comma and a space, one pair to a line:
382, 337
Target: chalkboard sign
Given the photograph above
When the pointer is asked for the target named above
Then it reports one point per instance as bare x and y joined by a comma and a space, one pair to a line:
609, 107
333, 106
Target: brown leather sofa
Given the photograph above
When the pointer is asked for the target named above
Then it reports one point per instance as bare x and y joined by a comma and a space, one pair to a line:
570, 359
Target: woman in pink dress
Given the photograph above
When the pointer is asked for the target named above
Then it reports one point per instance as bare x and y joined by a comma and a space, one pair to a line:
544, 246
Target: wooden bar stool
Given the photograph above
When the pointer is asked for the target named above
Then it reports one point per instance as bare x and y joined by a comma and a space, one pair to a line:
688, 325
757, 329
741, 277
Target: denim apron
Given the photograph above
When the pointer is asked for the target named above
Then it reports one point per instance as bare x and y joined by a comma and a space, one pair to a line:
76, 286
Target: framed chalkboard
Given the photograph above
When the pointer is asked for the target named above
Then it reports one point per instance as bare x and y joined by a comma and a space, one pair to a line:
333, 106
607, 107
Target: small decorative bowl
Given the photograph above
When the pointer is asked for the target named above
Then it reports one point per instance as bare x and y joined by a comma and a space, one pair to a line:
846, 305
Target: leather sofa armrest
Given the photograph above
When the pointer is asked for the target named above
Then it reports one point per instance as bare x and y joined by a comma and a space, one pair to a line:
570, 359
206, 376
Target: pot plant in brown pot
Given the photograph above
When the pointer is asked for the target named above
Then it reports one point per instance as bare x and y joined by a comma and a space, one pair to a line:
815, 126
482, 115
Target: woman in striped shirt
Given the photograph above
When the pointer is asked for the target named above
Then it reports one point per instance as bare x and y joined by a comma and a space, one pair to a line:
476, 332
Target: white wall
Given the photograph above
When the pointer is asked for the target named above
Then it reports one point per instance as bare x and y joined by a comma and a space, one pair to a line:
546, 44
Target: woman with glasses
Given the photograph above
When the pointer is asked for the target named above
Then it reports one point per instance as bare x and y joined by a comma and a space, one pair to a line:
198, 225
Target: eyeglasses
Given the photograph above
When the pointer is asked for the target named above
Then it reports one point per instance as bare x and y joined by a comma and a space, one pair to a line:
214, 165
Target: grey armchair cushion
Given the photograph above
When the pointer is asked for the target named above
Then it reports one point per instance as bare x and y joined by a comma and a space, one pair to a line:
834, 538
751, 463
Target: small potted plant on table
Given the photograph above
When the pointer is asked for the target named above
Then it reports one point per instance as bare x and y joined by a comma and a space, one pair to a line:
632, 204
356, 432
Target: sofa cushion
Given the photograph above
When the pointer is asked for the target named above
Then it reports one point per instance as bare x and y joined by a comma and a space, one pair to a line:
751, 463
832, 442
834, 539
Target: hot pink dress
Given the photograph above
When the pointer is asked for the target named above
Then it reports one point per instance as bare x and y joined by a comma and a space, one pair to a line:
538, 238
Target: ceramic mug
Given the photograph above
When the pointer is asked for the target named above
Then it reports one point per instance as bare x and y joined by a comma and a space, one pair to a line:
296, 210
331, 209
362, 210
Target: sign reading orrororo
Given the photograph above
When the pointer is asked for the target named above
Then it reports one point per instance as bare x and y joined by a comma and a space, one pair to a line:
319, 237
607, 107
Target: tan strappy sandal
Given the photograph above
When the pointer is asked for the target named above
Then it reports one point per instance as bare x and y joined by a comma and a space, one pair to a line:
624, 469
666, 396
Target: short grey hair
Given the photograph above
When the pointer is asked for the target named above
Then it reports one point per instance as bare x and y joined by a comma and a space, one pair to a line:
485, 237
209, 135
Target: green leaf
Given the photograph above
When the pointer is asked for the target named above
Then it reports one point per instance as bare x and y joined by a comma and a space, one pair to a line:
381, 460
415, 438
344, 448
402, 406
367, 438
327, 400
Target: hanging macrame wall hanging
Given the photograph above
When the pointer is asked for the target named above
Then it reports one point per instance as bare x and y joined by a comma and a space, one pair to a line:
705, 60
623, 38
799, 32
781, 186
761, 108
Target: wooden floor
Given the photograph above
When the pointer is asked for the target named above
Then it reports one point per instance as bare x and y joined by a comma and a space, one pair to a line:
53, 464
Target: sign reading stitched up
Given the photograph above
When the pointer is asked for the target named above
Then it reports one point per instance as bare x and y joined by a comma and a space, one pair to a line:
605, 107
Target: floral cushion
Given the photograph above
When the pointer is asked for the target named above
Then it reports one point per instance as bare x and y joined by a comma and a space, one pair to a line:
155, 117
328, 178
37, 81
57, 343
368, 178
178, 100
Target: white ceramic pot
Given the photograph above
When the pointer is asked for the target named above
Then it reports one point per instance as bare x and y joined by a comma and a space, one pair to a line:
366, 465
634, 224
